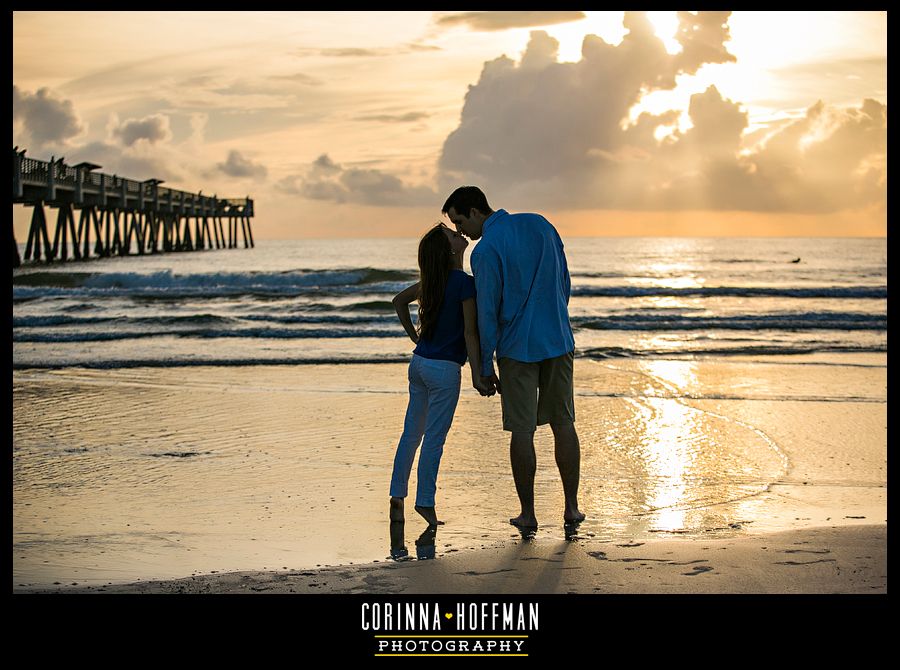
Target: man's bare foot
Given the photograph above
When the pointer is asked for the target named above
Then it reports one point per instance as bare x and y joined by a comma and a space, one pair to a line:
429, 515
576, 517
397, 509
524, 521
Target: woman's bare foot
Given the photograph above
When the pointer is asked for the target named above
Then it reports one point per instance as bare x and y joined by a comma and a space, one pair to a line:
397, 509
524, 521
429, 515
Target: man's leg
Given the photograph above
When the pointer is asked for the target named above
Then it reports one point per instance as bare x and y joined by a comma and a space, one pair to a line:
568, 460
524, 465
519, 404
556, 406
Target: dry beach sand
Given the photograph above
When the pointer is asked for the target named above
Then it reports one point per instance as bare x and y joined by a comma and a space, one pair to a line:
710, 476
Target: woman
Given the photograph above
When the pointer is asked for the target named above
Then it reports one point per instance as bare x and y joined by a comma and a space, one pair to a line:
447, 334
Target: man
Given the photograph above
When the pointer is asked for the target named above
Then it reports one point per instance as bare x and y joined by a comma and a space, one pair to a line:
523, 287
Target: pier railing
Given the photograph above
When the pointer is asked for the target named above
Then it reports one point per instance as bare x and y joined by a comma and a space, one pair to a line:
160, 216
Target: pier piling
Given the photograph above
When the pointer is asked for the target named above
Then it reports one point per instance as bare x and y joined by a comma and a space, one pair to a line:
119, 210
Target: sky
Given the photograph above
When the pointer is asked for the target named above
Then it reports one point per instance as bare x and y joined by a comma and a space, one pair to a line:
360, 124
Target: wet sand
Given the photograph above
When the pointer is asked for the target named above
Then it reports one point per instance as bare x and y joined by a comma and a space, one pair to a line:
846, 560
273, 479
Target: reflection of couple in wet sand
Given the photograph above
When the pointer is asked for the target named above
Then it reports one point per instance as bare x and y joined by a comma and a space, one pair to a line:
515, 306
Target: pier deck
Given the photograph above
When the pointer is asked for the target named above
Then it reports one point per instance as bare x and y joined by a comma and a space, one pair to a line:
126, 215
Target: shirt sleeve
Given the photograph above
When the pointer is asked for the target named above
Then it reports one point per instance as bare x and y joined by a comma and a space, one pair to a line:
488, 284
467, 288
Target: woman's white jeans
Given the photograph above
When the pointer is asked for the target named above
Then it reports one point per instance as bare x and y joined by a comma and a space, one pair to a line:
433, 393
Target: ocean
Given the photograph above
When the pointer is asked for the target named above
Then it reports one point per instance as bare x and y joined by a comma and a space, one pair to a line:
329, 301
233, 410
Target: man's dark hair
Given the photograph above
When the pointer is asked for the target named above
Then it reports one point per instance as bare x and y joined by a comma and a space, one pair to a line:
464, 199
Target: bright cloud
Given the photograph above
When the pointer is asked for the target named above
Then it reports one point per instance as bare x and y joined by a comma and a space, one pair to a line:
541, 133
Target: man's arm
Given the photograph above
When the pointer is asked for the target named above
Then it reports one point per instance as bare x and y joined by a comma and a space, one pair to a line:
489, 285
566, 278
473, 346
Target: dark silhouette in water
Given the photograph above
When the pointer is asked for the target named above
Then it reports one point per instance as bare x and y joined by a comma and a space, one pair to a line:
527, 532
425, 549
399, 552
425, 544
397, 509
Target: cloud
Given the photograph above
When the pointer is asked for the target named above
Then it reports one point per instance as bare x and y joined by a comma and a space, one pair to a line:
139, 162
239, 166
702, 37
330, 181
843, 81
351, 52
490, 21
831, 159
396, 118
323, 166
45, 118
539, 133
198, 121
300, 78
357, 52
153, 129
415, 46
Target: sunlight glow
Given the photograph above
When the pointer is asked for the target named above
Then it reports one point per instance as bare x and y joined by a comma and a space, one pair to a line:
607, 25
666, 25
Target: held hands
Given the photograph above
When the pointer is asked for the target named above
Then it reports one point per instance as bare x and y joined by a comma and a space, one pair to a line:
486, 386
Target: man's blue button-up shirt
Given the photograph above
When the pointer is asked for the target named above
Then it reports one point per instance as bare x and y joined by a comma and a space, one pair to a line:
523, 289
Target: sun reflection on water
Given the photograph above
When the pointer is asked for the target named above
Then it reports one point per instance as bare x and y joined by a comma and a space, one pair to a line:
669, 443
676, 263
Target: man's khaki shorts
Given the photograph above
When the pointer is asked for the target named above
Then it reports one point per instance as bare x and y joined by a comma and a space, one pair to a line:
534, 394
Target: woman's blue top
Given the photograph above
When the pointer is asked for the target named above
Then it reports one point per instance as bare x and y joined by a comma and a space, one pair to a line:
448, 340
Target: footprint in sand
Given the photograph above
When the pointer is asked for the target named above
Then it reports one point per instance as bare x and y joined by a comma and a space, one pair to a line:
699, 570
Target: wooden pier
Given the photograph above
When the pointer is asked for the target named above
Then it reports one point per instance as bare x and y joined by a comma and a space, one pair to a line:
125, 215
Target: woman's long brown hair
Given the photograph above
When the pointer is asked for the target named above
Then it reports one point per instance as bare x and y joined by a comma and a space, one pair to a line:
434, 267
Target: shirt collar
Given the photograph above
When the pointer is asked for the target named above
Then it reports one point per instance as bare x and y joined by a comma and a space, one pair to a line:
492, 219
